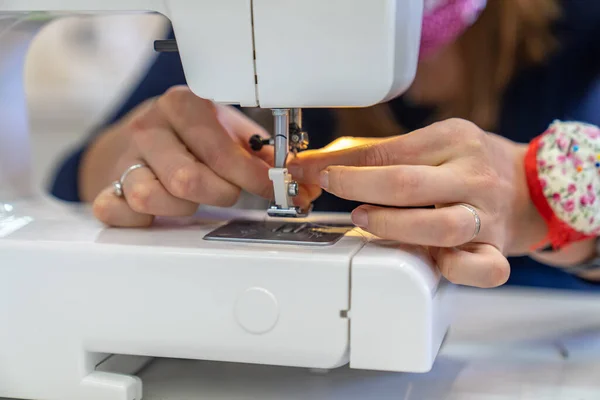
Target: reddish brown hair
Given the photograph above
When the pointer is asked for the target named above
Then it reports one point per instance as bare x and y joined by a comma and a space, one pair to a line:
509, 35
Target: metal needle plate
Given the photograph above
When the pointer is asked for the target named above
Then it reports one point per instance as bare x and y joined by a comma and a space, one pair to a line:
279, 232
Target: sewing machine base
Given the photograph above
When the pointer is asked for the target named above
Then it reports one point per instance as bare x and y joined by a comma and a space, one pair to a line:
76, 293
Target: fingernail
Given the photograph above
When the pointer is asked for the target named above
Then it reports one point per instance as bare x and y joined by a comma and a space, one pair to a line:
360, 218
296, 171
324, 179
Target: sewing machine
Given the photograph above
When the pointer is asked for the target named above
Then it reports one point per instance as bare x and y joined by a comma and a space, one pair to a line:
85, 307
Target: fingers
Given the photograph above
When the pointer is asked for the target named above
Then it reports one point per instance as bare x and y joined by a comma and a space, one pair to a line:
442, 227
307, 165
115, 211
398, 185
143, 198
431, 146
146, 195
179, 171
194, 119
306, 195
242, 128
314, 191
237, 124
345, 143
445, 230
479, 265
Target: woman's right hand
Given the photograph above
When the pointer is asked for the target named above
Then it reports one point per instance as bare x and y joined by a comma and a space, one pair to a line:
195, 152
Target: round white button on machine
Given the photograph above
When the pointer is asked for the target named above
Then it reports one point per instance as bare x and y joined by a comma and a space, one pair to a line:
257, 310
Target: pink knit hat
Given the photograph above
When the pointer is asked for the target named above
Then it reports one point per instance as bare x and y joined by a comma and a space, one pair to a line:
446, 20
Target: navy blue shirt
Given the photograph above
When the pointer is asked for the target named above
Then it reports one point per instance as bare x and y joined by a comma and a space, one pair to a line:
566, 87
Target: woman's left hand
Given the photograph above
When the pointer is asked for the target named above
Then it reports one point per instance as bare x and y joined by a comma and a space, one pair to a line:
446, 164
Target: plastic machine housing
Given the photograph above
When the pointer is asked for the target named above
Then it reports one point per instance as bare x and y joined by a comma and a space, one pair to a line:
85, 306
77, 293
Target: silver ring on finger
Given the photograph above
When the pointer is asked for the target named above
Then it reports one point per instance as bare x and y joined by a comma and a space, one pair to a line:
473, 211
118, 185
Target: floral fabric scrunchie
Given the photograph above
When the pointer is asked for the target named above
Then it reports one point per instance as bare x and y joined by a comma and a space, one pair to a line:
563, 174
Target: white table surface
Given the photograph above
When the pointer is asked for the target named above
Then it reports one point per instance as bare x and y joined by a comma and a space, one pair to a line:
505, 344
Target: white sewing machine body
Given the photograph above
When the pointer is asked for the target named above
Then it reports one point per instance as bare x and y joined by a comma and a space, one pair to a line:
265, 53
76, 293
280, 53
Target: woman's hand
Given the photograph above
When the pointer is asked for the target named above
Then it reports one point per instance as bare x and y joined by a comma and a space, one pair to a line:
195, 151
445, 164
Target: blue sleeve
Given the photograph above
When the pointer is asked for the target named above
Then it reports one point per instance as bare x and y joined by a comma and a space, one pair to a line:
582, 35
587, 109
165, 72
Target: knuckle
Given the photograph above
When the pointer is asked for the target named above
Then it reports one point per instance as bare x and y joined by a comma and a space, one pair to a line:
312, 165
484, 179
205, 104
137, 122
455, 229
380, 225
140, 119
448, 127
373, 155
141, 135
175, 95
228, 198
139, 127
191, 184
473, 144
183, 182
139, 198
206, 107
141, 130
462, 132
343, 142
403, 182
459, 126
182, 99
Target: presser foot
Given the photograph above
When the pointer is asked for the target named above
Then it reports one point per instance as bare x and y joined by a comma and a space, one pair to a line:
285, 190
289, 212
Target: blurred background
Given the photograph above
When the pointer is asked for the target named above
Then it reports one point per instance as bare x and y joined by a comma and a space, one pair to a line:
77, 70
